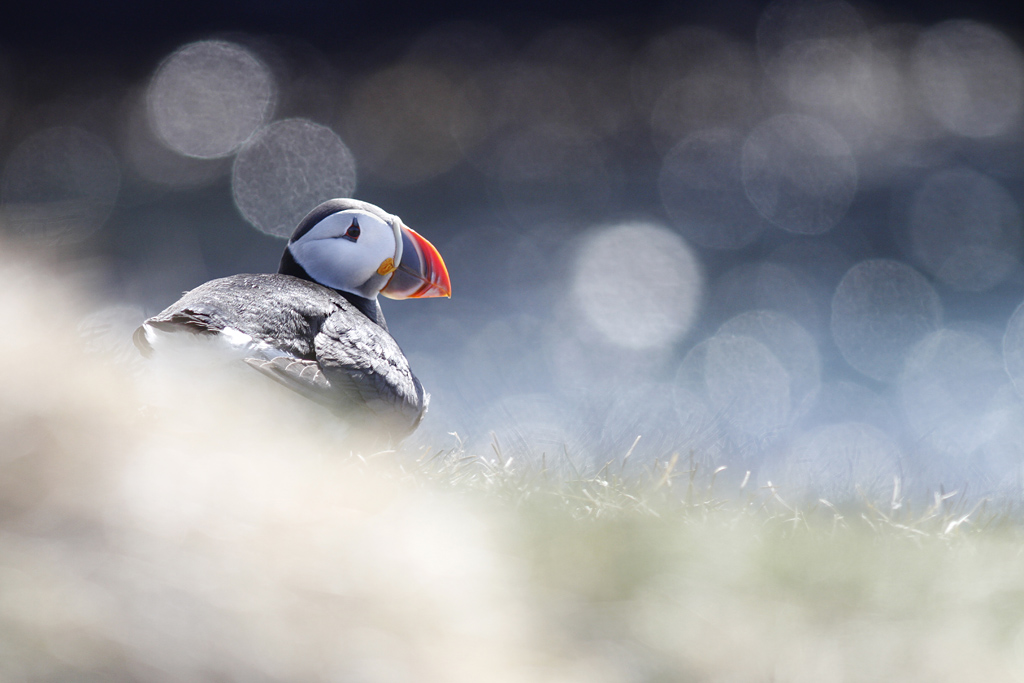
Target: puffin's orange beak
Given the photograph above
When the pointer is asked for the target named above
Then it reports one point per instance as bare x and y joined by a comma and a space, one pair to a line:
421, 273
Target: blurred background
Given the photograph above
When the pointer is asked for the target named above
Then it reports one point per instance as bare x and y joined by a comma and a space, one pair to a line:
784, 238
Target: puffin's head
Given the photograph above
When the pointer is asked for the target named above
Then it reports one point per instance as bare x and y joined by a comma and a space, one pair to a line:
356, 247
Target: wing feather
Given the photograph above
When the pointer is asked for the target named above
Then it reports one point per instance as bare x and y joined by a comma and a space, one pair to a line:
363, 361
300, 375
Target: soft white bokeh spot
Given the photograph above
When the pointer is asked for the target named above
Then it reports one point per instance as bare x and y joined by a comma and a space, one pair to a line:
965, 229
286, 170
638, 283
799, 173
207, 98
970, 77
880, 309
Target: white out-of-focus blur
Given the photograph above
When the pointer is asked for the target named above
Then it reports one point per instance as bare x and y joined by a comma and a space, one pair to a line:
164, 525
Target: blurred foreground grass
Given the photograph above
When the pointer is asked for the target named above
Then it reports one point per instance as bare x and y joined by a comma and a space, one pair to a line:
679, 581
159, 523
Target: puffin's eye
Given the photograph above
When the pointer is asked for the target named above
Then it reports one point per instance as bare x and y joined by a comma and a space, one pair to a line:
353, 231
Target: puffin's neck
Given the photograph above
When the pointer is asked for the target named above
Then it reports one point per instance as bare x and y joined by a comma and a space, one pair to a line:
368, 307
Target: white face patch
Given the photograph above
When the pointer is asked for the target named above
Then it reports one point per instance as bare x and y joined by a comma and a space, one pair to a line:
336, 261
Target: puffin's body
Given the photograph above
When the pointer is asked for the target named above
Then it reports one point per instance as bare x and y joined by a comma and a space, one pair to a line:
327, 343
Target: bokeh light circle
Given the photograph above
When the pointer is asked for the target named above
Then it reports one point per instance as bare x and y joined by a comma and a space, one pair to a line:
639, 284
59, 184
791, 345
953, 379
702, 192
747, 384
286, 170
965, 229
816, 52
207, 98
825, 75
970, 77
880, 309
841, 462
799, 173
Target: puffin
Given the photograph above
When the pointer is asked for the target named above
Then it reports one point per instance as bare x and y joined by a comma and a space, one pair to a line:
316, 325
